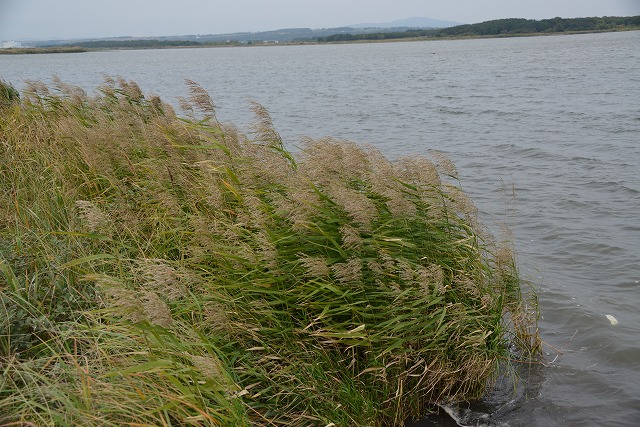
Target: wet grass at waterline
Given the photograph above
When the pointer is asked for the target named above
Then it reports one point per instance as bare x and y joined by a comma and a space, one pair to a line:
163, 269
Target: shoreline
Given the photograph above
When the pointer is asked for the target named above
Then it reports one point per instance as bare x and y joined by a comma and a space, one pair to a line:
42, 50
79, 49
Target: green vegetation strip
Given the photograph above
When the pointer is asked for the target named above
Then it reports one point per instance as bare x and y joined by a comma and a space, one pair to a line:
165, 270
502, 28
34, 50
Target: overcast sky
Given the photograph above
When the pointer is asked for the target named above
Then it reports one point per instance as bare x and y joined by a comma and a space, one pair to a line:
45, 19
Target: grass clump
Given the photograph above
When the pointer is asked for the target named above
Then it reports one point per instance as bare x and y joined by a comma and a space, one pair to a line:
166, 270
8, 94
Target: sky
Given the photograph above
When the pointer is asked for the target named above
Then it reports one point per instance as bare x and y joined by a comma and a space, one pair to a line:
70, 19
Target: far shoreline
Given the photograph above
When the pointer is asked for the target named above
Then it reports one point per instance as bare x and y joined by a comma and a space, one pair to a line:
80, 49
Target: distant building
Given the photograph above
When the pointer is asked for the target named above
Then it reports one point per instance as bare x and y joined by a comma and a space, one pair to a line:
10, 44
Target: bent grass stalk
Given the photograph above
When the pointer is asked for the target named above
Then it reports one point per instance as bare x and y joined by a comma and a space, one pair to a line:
166, 270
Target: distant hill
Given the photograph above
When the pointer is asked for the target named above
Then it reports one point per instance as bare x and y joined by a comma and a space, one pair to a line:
401, 29
281, 35
413, 22
501, 27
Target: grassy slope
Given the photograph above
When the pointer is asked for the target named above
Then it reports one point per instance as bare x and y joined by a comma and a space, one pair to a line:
157, 270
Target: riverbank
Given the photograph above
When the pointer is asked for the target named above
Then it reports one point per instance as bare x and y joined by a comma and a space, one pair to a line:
76, 49
500, 28
40, 50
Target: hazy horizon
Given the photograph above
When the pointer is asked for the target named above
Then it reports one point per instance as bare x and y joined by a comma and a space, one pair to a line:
71, 19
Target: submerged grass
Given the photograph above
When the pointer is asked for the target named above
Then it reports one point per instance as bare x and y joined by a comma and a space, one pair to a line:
166, 270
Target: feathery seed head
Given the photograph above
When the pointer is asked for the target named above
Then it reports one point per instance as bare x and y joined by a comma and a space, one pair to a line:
199, 100
431, 277
125, 302
315, 266
349, 272
161, 277
351, 238
418, 171
94, 219
357, 205
444, 164
209, 366
130, 89
460, 202
156, 311
215, 316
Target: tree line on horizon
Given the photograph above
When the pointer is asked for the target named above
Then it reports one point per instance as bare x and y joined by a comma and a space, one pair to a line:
138, 43
497, 27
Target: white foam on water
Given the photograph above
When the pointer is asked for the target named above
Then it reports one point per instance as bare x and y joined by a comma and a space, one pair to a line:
467, 418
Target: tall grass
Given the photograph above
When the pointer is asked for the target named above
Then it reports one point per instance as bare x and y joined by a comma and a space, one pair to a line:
158, 269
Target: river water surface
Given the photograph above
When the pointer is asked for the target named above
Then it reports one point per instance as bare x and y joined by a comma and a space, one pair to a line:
545, 132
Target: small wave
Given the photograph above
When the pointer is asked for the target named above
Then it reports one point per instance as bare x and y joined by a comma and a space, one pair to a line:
612, 186
587, 160
499, 113
630, 227
452, 111
505, 146
535, 153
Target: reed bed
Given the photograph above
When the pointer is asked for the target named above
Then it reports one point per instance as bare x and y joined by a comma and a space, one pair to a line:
165, 269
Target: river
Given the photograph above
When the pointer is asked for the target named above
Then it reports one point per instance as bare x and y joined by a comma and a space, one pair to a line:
545, 132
